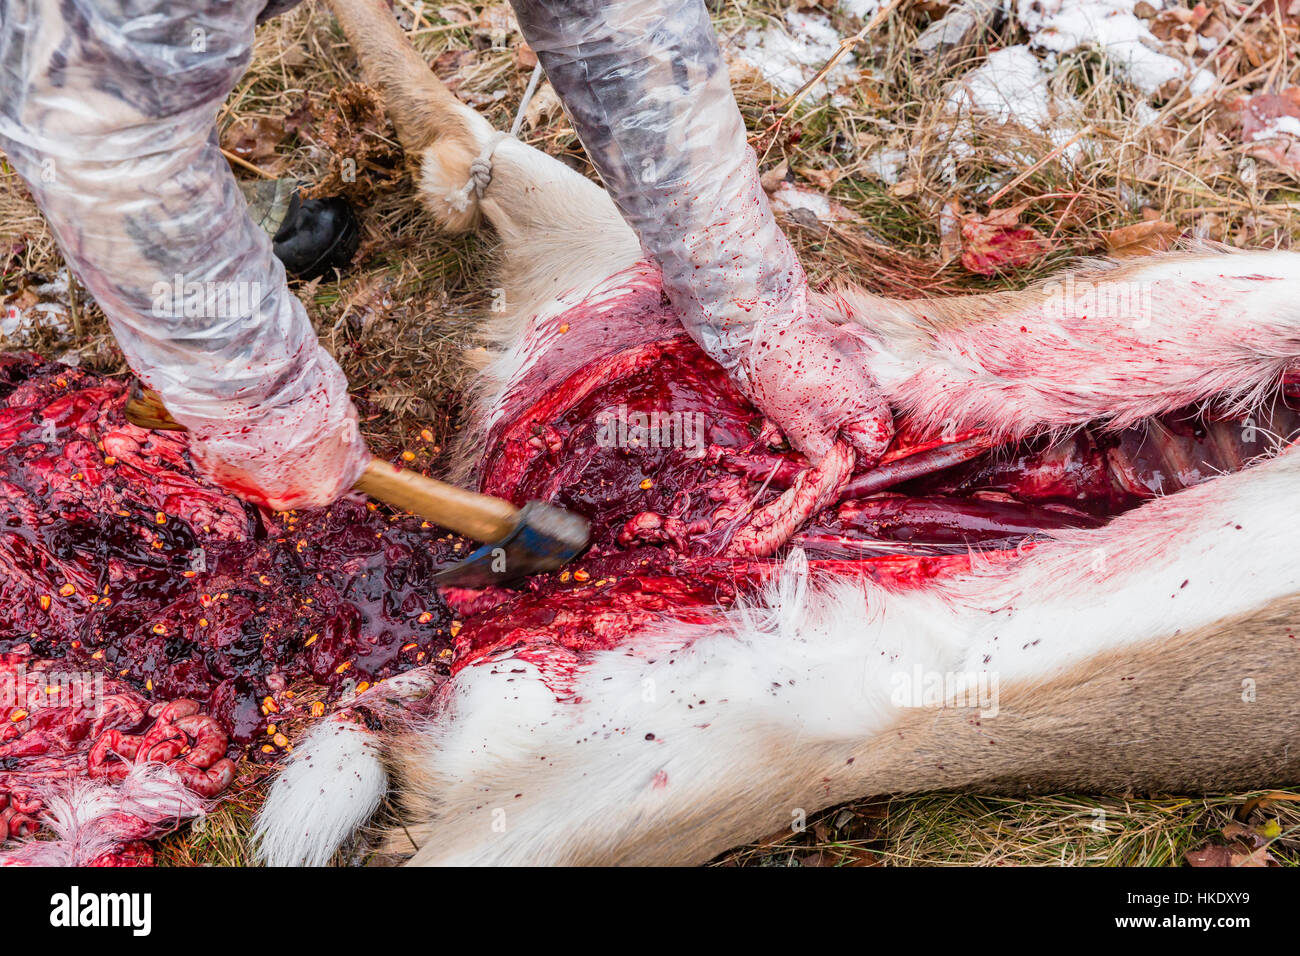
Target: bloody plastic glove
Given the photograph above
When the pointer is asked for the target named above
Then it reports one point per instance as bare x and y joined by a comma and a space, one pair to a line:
806, 375
107, 111
648, 93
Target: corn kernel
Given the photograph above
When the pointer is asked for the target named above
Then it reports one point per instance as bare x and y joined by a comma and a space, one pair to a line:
67, 590
160, 629
408, 456
160, 518
45, 602
424, 618
317, 708
17, 714
426, 434
580, 575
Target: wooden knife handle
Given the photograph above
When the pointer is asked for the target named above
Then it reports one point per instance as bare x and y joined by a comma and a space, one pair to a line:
476, 516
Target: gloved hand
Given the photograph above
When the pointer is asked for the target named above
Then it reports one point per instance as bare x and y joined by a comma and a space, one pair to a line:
298, 453
807, 377
107, 112
648, 93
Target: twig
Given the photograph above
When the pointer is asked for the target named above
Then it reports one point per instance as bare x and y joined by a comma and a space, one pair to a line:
440, 28
1039, 165
1208, 59
791, 102
74, 313
240, 161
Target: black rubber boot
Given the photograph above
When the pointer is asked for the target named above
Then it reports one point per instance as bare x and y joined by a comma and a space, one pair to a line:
312, 237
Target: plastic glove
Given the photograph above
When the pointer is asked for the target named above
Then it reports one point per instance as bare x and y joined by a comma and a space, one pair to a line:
806, 375
648, 93
107, 112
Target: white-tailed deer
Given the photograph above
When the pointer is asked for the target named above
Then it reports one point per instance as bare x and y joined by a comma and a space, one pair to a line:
1154, 650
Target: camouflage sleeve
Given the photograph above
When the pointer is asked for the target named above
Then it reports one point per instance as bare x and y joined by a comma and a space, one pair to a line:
647, 90
107, 111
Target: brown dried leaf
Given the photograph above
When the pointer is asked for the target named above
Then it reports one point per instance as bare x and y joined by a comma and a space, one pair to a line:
1234, 854
823, 179
544, 106
525, 58
775, 176
1179, 23
301, 119
450, 66
1269, 126
495, 24
1259, 857
1000, 242
950, 219
254, 139
1212, 854
457, 13
1140, 239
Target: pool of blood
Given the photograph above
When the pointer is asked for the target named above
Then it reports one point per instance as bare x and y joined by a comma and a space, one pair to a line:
115, 556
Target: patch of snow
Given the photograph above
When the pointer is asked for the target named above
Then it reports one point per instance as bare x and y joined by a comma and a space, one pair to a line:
11, 321
864, 10
1009, 86
1279, 126
886, 165
788, 60
1062, 26
52, 312
789, 198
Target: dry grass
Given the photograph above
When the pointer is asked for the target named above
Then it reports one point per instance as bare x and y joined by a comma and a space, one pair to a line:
401, 317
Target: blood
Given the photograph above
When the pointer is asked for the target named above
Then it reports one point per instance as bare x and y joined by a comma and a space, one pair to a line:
118, 560
674, 523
